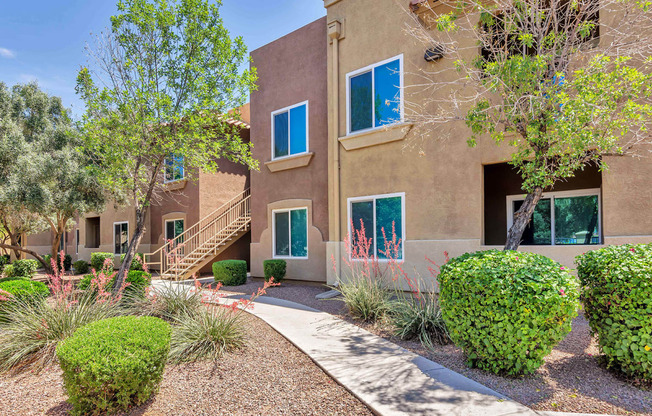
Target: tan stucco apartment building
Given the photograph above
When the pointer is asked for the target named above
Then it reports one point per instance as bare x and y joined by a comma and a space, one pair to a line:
358, 159
337, 149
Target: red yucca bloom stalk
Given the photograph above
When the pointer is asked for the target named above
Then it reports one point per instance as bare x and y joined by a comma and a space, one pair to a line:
61, 290
5, 296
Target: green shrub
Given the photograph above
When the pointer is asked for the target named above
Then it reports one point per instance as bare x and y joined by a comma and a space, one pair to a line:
22, 268
617, 296
507, 309
113, 364
419, 318
275, 269
9, 271
230, 272
136, 262
97, 260
4, 260
67, 261
138, 282
24, 289
9, 279
81, 267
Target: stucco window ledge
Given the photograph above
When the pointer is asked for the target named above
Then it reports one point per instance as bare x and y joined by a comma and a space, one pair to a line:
291, 162
386, 134
175, 185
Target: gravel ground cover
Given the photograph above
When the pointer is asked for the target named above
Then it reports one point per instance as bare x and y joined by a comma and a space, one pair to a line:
269, 377
571, 380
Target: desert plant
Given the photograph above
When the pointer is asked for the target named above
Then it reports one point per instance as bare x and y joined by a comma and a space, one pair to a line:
419, 317
32, 330
617, 296
112, 364
213, 329
506, 309
274, 269
138, 262
136, 282
24, 268
168, 301
230, 272
81, 267
99, 260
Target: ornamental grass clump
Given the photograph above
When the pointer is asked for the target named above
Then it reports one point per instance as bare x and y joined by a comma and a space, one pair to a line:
507, 309
213, 329
113, 364
32, 330
169, 302
617, 296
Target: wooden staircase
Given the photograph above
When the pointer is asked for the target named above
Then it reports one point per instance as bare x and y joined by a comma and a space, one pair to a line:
180, 258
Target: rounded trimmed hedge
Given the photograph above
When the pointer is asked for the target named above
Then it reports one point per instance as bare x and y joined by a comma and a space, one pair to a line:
81, 267
507, 309
23, 289
138, 282
274, 268
230, 272
97, 260
22, 268
112, 364
617, 297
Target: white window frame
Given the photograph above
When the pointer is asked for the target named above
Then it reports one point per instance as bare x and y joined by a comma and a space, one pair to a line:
289, 210
165, 231
119, 223
552, 195
165, 172
284, 110
373, 198
371, 68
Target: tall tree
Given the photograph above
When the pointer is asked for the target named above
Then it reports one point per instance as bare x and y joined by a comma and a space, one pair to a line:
44, 181
565, 83
160, 87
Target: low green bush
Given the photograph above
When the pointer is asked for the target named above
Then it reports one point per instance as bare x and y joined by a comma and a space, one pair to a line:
507, 309
617, 296
67, 261
22, 268
138, 282
4, 260
136, 262
230, 272
81, 267
24, 289
112, 364
9, 279
274, 268
9, 271
98, 259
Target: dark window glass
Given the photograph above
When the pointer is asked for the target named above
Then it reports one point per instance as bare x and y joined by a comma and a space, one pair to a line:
282, 232
281, 135
361, 102
389, 226
362, 218
576, 220
539, 230
299, 232
121, 236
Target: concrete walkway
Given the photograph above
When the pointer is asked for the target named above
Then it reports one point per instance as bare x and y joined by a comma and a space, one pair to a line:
387, 378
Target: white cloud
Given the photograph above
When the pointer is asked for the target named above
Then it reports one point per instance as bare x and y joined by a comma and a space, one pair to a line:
7, 53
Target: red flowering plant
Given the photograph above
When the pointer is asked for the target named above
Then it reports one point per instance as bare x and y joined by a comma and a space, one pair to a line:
33, 329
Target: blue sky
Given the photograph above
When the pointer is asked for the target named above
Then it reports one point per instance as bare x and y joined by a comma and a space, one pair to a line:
44, 39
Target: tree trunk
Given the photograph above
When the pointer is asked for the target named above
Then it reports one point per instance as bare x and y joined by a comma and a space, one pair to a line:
522, 218
133, 247
54, 250
24, 250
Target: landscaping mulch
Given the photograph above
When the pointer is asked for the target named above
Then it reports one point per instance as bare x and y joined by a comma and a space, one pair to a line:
572, 378
268, 377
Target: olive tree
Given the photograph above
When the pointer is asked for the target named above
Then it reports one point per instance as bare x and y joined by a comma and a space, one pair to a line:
44, 180
160, 85
564, 83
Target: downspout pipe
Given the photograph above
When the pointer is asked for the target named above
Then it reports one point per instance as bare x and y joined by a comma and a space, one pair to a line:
334, 33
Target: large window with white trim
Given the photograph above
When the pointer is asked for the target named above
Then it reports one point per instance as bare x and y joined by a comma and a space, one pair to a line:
374, 95
561, 218
381, 221
120, 237
174, 168
173, 229
290, 131
290, 228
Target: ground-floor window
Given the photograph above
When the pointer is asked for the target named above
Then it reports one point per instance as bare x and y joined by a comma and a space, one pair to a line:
290, 232
382, 217
77, 241
120, 237
561, 218
173, 229
62, 242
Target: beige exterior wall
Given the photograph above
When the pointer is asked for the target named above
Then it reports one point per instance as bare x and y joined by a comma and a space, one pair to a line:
291, 70
442, 177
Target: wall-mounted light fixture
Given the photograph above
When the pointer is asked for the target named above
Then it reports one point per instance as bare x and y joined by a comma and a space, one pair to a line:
435, 53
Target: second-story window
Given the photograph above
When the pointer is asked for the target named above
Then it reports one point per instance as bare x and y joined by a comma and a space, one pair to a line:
290, 131
374, 95
174, 168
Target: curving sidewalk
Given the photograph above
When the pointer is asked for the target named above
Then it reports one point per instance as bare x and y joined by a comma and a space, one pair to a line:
389, 379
